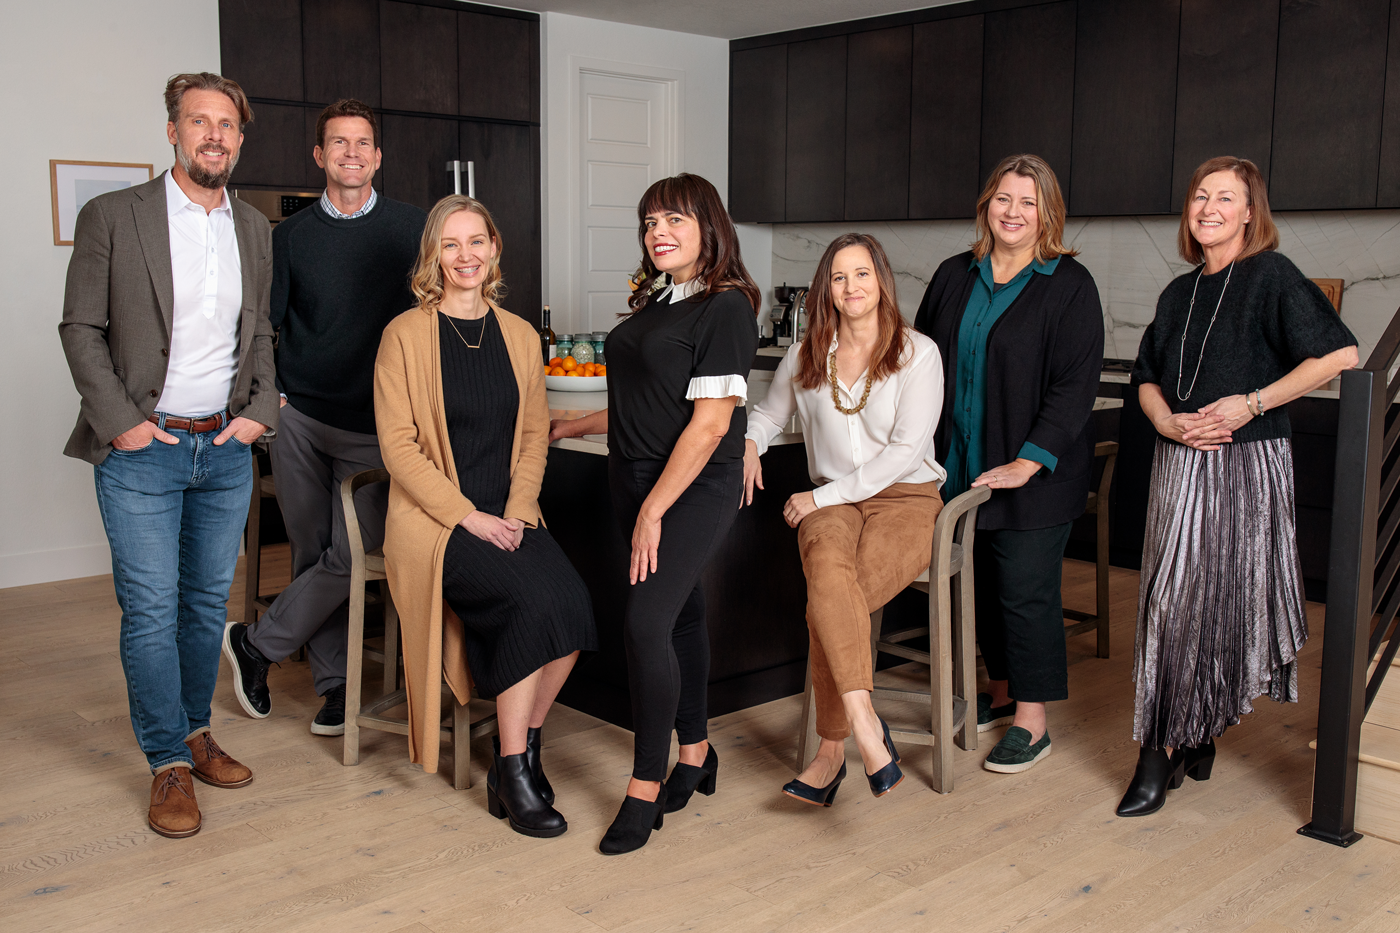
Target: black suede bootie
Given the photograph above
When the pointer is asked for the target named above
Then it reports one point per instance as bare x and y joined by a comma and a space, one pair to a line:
511, 795
1155, 775
632, 827
686, 779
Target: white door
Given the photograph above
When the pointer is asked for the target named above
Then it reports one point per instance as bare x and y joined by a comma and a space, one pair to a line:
626, 144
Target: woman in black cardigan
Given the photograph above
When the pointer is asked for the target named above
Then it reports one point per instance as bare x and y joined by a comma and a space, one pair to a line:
1021, 331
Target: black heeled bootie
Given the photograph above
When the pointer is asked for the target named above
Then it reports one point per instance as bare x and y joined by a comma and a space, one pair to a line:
686, 779
532, 758
511, 795
888, 777
1155, 775
631, 828
817, 796
1199, 761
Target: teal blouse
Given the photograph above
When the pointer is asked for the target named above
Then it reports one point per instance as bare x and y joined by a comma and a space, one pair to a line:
965, 459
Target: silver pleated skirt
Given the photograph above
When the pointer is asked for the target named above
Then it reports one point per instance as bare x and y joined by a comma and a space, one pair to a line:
1220, 610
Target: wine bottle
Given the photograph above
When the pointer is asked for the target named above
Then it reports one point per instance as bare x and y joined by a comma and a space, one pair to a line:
547, 338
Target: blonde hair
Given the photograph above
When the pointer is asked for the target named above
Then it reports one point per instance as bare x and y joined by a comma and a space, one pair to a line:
1049, 206
426, 280
1260, 234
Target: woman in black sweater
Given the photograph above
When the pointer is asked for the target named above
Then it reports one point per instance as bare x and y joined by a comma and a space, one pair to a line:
677, 379
1021, 331
1220, 611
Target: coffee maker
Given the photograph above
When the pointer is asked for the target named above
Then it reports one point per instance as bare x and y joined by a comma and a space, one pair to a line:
784, 316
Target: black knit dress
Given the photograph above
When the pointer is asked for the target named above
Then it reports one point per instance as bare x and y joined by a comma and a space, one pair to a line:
520, 609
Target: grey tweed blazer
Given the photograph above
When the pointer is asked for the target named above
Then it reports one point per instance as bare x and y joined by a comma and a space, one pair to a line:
118, 309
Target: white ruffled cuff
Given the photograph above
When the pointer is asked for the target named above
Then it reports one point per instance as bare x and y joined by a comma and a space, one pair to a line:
718, 387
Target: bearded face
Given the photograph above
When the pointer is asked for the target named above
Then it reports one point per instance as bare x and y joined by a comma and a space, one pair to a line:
207, 137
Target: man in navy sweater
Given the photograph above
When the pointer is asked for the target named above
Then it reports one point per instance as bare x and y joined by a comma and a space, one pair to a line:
340, 274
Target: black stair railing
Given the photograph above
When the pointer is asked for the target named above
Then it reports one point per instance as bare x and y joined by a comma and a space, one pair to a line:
1363, 583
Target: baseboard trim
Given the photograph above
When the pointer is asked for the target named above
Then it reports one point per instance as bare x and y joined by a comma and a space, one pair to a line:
58, 564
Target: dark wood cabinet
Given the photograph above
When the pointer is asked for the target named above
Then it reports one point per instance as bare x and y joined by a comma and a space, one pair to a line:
877, 124
418, 57
416, 152
277, 149
1224, 86
816, 130
498, 63
506, 159
1328, 100
260, 43
1028, 86
1125, 60
1388, 190
758, 134
340, 50
945, 118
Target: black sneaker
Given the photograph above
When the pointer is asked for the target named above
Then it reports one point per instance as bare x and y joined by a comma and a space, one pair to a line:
249, 671
331, 719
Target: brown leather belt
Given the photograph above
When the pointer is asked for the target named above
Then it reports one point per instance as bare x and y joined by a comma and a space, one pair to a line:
193, 425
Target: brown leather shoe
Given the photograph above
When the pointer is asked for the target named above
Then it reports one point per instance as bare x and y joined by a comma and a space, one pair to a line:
174, 812
213, 765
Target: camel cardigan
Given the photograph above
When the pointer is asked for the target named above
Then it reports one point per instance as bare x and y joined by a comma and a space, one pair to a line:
426, 502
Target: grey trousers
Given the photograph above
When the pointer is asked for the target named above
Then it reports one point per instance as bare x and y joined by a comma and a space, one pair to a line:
309, 461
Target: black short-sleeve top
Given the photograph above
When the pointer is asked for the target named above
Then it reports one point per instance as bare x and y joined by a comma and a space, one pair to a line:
674, 350
1271, 318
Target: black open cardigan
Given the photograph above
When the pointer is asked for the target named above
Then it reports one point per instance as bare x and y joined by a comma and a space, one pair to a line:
1044, 359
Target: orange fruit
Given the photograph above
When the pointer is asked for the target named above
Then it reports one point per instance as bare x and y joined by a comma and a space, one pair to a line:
574, 372
555, 361
588, 368
569, 364
556, 371
600, 371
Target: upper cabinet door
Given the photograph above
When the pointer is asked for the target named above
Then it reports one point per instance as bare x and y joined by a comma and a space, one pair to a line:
1028, 86
816, 130
1388, 194
758, 134
277, 148
1124, 106
1224, 86
418, 55
340, 42
877, 124
260, 47
1328, 102
507, 158
945, 118
498, 60
416, 153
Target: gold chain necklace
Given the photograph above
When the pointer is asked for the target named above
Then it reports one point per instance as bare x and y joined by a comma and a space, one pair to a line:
469, 346
836, 393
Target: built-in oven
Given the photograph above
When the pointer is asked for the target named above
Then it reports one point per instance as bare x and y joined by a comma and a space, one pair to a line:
277, 206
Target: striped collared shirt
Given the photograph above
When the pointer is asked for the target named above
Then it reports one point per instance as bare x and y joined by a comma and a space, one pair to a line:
331, 209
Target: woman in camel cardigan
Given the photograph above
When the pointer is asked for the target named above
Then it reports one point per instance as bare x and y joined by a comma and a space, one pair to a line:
459, 401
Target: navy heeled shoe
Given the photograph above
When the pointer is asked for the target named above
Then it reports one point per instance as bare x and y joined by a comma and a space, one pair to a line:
816, 796
888, 777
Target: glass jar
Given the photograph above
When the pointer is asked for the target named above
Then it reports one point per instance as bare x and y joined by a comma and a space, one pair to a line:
583, 349
564, 346
599, 339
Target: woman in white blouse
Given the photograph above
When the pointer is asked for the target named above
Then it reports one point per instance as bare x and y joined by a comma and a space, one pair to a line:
869, 389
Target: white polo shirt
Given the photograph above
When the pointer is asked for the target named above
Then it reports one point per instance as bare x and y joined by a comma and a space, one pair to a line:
208, 296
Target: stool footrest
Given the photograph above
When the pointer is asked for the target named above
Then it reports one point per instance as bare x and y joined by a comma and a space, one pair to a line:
909, 654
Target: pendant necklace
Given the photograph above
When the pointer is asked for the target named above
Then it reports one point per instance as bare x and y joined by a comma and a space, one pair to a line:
1181, 362
479, 339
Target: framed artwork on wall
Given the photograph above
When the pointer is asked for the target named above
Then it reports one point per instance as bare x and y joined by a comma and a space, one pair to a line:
73, 184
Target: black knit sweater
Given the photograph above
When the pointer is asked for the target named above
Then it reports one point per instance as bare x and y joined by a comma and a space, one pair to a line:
1271, 319
335, 285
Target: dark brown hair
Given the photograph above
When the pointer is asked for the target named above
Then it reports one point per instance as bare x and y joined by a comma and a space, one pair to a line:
1260, 234
176, 87
720, 266
346, 107
1049, 206
823, 316
426, 278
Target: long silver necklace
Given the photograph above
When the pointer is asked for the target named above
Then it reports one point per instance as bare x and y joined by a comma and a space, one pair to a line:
1181, 362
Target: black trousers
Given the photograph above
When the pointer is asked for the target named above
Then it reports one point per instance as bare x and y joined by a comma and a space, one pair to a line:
664, 631
1020, 616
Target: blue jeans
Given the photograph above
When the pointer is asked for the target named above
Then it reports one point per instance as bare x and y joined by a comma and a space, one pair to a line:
174, 514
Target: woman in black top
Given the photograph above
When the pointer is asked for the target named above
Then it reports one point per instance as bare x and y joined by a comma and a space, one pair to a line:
677, 368
1021, 331
1220, 611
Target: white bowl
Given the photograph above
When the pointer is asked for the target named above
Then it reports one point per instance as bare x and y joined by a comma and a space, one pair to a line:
576, 383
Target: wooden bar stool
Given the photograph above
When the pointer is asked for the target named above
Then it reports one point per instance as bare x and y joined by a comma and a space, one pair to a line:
1098, 506
952, 636
365, 567
263, 488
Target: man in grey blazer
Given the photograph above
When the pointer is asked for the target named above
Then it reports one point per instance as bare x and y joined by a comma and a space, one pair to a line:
165, 326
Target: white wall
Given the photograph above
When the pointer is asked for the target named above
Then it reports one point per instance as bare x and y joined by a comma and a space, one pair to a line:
79, 80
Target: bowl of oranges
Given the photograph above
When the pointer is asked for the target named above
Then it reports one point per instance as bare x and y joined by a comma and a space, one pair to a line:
569, 375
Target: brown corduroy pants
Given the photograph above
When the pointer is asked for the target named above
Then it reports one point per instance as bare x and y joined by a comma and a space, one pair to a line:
857, 558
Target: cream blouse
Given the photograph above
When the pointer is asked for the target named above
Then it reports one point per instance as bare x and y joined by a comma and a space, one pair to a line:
853, 457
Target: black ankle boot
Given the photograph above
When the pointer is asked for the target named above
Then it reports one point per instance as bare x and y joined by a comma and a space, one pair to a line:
685, 780
1199, 761
532, 755
632, 827
511, 795
1155, 775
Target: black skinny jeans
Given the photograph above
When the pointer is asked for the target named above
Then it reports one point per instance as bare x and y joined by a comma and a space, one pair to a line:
668, 644
1020, 617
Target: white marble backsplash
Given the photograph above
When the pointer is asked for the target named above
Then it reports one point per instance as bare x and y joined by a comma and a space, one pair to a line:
1133, 258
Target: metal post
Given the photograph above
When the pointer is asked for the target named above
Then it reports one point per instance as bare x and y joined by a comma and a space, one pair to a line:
455, 167
1350, 578
471, 180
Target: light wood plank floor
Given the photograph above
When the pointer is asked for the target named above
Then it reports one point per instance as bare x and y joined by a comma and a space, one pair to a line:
311, 845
